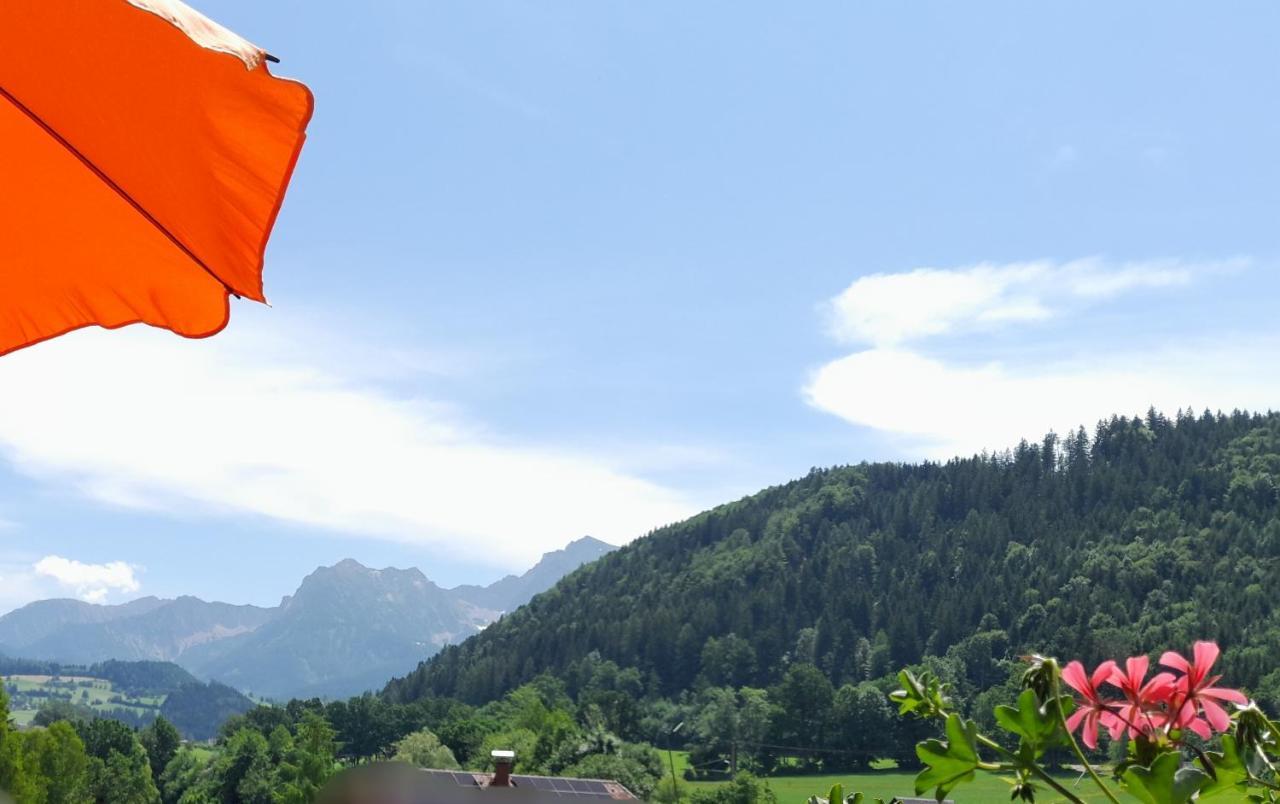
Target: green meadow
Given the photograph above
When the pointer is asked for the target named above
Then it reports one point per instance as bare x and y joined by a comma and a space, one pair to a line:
886, 783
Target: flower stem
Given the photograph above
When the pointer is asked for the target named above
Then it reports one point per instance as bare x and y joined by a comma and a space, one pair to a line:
1265, 759
1033, 767
1262, 782
1062, 721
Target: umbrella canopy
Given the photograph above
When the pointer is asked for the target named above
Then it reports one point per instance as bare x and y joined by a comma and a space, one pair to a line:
144, 154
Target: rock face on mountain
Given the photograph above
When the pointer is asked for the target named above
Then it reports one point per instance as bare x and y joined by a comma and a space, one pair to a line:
348, 628
341, 632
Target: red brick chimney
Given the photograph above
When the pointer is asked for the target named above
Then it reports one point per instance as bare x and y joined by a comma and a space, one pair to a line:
503, 761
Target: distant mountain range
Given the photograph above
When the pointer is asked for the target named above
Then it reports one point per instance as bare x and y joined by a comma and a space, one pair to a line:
348, 628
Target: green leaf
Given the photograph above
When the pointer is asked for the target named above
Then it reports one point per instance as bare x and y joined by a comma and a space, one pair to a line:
948, 762
925, 696
911, 696
1229, 769
1165, 781
1037, 725
837, 796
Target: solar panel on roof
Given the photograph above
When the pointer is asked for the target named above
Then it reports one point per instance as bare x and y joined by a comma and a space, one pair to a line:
563, 785
557, 786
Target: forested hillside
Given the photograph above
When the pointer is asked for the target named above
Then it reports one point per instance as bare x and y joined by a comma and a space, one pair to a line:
1148, 534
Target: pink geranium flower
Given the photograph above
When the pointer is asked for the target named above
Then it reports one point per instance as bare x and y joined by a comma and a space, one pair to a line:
1195, 694
1092, 712
1142, 709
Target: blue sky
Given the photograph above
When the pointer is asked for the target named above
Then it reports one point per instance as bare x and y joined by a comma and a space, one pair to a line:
549, 269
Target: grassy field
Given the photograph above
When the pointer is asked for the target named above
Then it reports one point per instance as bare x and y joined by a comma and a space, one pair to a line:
37, 680
203, 752
889, 782
28, 692
22, 717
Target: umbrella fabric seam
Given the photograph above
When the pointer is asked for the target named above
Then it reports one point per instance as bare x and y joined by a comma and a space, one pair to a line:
120, 191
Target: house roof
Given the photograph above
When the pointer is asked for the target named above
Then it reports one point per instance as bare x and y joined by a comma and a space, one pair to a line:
403, 784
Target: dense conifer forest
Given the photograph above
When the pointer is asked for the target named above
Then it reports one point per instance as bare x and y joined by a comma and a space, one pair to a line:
1146, 534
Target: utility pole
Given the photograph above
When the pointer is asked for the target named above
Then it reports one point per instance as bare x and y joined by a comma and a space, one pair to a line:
671, 758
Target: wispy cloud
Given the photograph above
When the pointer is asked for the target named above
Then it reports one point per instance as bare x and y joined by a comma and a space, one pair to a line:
940, 408
91, 582
887, 309
140, 418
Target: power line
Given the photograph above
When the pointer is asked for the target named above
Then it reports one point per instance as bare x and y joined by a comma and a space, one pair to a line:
810, 750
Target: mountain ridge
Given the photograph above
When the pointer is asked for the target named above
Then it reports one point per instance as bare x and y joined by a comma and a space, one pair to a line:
340, 632
41, 617
511, 591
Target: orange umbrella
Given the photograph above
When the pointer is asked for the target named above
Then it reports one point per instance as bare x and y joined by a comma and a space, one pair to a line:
144, 154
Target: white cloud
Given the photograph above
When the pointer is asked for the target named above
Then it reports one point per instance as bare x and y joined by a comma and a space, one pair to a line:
91, 582
941, 410
960, 406
888, 309
142, 418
